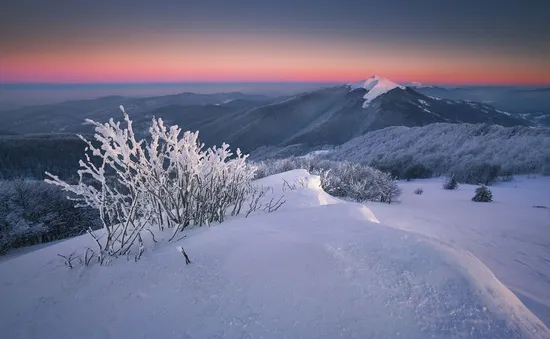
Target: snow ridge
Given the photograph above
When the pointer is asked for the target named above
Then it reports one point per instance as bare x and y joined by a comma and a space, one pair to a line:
375, 86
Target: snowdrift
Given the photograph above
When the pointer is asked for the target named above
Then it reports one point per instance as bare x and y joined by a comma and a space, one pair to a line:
316, 268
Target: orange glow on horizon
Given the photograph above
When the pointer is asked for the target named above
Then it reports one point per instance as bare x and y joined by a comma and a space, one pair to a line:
252, 58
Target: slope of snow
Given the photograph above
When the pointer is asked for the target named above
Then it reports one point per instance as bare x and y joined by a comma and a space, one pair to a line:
317, 268
375, 86
510, 235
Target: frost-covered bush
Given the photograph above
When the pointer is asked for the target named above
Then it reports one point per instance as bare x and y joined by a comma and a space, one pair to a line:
168, 180
33, 212
483, 194
451, 183
341, 178
359, 182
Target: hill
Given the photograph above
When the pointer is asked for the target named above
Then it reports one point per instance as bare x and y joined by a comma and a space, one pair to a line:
318, 268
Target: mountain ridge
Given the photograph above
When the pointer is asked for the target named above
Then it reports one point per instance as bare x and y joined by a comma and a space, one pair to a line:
326, 116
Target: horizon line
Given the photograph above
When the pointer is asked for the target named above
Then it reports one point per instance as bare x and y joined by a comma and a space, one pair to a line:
21, 85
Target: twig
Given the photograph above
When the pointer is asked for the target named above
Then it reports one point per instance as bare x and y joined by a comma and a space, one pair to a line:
69, 259
187, 260
88, 259
152, 235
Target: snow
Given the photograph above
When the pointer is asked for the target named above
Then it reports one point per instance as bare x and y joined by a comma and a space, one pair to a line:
314, 154
375, 86
503, 112
416, 84
317, 268
510, 236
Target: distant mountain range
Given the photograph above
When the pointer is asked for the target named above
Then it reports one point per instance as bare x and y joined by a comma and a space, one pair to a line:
531, 101
327, 116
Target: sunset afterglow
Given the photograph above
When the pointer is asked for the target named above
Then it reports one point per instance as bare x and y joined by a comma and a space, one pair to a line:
143, 42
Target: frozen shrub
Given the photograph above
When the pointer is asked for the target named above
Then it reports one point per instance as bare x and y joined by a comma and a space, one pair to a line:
418, 191
483, 194
169, 180
340, 178
358, 182
451, 184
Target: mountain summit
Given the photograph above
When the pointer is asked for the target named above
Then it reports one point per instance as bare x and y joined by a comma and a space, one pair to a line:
375, 86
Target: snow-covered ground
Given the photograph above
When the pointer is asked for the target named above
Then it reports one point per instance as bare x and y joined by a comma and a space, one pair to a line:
509, 235
316, 268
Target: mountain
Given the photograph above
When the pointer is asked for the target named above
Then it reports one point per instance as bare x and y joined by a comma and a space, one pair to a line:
375, 87
327, 116
332, 116
532, 104
69, 116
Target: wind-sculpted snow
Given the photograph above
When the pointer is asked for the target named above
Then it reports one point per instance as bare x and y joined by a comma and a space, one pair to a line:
313, 272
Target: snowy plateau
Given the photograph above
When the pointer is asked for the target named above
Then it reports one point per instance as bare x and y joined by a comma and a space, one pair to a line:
435, 265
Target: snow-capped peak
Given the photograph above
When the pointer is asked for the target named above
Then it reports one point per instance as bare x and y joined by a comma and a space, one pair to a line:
375, 86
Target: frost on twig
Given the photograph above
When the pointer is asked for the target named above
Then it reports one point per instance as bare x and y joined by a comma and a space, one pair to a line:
256, 194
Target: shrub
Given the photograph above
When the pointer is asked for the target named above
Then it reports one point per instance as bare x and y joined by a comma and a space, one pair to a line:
418, 191
483, 194
340, 178
355, 181
168, 180
451, 184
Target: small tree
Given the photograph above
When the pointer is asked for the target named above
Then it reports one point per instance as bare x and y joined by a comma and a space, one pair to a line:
451, 184
483, 194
